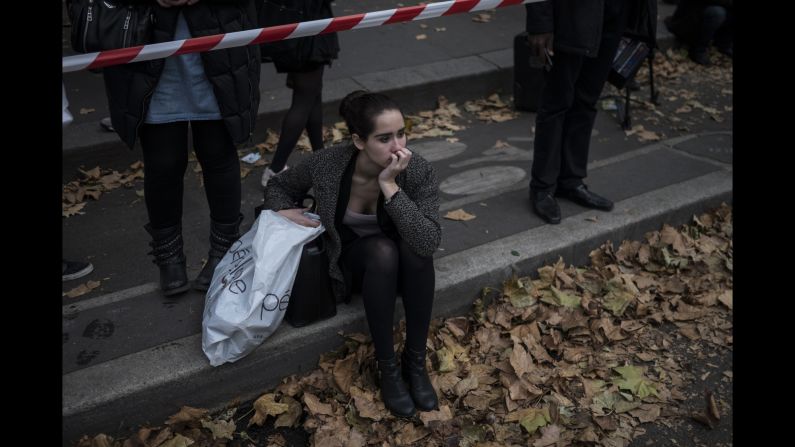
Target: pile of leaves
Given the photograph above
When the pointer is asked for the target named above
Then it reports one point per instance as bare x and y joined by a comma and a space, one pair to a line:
574, 355
93, 183
492, 109
440, 122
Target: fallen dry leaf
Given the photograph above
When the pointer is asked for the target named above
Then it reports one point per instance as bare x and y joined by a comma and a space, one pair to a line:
460, 215
265, 406
82, 289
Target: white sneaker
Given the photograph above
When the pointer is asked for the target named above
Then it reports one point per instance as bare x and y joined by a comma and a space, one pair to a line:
106, 124
268, 174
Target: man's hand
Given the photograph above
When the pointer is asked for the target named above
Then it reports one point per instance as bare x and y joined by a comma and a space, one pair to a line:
539, 42
297, 216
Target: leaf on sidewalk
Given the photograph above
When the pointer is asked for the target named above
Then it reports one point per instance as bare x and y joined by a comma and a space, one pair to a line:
710, 416
483, 17
442, 414
265, 406
186, 414
725, 298
642, 134
290, 417
366, 404
220, 428
178, 441
459, 215
632, 380
315, 405
549, 435
82, 289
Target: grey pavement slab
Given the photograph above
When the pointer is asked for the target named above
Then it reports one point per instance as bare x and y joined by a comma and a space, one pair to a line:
718, 146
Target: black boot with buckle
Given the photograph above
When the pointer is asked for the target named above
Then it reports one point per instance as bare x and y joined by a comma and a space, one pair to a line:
412, 364
222, 236
167, 249
394, 393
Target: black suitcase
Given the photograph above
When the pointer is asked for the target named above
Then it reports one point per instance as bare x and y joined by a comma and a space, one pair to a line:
527, 81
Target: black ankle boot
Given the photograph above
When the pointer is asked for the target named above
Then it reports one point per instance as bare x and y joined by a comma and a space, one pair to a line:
167, 249
393, 391
221, 238
412, 364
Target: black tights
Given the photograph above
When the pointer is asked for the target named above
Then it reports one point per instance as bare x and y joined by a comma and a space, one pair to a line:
383, 267
306, 111
165, 149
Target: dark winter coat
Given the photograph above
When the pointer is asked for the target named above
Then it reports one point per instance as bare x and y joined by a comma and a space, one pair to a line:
232, 72
577, 24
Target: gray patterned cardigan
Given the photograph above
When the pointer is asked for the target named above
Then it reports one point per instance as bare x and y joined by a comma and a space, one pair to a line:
414, 210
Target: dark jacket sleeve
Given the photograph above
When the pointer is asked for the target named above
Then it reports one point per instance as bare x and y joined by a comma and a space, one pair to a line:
287, 189
540, 17
415, 210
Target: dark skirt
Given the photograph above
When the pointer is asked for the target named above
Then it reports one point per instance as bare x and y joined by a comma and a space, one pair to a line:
302, 54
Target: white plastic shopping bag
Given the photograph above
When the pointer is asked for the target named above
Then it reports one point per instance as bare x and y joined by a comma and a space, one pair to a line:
250, 289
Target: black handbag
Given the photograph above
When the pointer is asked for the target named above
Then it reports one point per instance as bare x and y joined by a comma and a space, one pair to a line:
311, 298
99, 25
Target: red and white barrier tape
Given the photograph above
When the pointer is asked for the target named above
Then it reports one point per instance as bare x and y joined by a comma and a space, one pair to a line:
281, 32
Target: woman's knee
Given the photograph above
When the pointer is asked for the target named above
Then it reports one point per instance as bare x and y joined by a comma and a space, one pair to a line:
411, 261
382, 255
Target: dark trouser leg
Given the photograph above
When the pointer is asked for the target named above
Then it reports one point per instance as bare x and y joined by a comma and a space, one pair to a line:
314, 126
220, 168
556, 99
165, 151
375, 259
307, 88
579, 120
221, 171
417, 281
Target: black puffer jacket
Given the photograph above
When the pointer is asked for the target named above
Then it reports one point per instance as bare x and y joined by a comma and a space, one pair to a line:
233, 72
577, 24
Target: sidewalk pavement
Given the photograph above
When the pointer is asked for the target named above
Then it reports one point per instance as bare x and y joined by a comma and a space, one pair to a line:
130, 355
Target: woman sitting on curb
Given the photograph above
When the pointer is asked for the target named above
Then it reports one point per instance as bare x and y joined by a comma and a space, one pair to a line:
380, 206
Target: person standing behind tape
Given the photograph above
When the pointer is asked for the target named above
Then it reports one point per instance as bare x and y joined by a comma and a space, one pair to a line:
71, 269
216, 95
303, 60
579, 38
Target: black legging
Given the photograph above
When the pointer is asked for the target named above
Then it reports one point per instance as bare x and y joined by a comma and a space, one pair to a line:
383, 267
306, 111
165, 149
